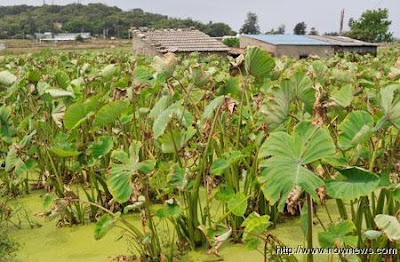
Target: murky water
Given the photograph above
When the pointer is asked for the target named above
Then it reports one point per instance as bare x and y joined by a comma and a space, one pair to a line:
77, 243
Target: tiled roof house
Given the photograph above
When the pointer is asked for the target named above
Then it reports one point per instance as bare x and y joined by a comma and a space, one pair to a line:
159, 41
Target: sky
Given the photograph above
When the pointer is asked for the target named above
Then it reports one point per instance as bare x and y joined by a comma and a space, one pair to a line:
324, 15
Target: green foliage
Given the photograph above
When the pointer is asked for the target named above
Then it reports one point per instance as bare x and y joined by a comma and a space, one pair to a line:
389, 225
232, 42
250, 26
372, 26
355, 129
300, 28
338, 235
258, 63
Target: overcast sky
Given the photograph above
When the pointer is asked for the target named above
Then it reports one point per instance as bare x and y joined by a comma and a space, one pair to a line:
321, 14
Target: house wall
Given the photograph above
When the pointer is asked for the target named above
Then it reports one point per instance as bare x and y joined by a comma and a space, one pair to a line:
140, 47
362, 50
300, 51
245, 41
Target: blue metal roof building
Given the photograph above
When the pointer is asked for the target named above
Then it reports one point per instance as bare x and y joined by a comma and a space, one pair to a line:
289, 40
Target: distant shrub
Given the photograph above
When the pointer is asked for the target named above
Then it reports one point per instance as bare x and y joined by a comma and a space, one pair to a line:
232, 42
79, 38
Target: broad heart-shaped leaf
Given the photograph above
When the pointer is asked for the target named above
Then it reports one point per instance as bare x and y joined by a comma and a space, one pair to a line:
7, 79
254, 225
344, 95
110, 112
165, 65
55, 93
102, 147
62, 79
289, 154
390, 103
355, 129
238, 204
389, 225
108, 72
258, 63
352, 183
177, 139
105, 224
302, 88
338, 235
159, 107
80, 111
165, 117
64, 150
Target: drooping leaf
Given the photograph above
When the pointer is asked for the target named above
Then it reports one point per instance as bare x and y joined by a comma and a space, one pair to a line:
103, 226
110, 112
389, 225
162, 121
390, 103
254, 225
79, 112
344, 95
211, 107
258, 63
338, 235
7, 79
159, 107
165, 65
64, 150
355, 129
102, 147
352, 183
108, 72
62, 79
238, 204
289, 153
58, 93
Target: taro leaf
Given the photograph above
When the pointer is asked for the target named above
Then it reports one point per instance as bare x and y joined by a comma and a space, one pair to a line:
62, 79
218, 166
64, 150
178, 178
238, 204
276, 108
224, 193
211, 107
176, 139
389, 225
102, 147
344, 95
58, 114
302, 88
165, 65
338, 235
110, 112
254, 225
390, 103
258, 63
124, 167
11, 159
103, 226
352, 183
145, 167
289, 153
169, 211
108, 72
55, 93
372, 234
355, 129
7, 79
200, 77
163, 119
79, 112
159, 107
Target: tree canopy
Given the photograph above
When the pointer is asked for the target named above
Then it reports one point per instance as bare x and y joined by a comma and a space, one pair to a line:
279, 31
250, 25
22, 20
300, 28
372, 26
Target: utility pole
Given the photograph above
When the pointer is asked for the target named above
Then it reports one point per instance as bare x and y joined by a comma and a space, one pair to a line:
341, 22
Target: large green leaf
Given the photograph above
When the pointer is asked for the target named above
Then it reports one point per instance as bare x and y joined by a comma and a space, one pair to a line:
162, 121
289, 153
302, 89
102, 147
352, 183
62, 79
355, 129
389, 225
258, 63
79, 112
211, 107
108, 72
110, 112
7, 79
103, 226
390, 103
344, 95
165, 65
254, 225
159, 107
238, 204
65, 150
338, 235
54, 92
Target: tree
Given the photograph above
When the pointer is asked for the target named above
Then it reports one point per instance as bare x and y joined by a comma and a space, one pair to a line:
280, 31
372, 26
300, 29
313, 31
250, 25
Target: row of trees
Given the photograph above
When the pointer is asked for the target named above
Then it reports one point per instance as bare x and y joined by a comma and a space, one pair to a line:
372, 26
98, 19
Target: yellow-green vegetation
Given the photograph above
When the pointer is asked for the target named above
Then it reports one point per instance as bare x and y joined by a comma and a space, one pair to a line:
202, 153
